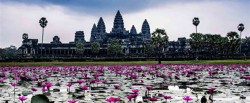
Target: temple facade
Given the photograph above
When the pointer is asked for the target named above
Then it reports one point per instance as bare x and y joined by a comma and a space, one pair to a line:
132, 41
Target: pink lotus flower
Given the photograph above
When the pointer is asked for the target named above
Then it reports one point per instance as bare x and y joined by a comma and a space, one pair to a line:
187, 98
16, 78
44, 89
112, 99
132, 96
149, 87
69, 84
48, 84
129, 97
84, 87
167, 97
117, 86
153, 99
135, 91
211, 90
72, 101
33, 89
79, 81
13, 84
22, 98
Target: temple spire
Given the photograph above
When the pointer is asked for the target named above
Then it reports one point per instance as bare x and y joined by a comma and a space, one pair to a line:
146, 29
93, 33
133, 30
118, 23
101, 28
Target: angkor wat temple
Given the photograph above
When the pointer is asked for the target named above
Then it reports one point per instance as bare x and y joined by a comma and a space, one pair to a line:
133, 45
131, 41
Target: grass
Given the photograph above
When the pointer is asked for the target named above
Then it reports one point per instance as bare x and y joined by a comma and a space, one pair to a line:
123, 63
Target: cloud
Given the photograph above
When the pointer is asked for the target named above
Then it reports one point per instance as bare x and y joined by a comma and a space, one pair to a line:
95, 7
217, 17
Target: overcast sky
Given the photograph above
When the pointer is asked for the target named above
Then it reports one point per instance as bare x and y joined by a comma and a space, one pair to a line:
65, 17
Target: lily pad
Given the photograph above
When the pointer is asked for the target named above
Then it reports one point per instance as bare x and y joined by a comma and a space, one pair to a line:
40, 99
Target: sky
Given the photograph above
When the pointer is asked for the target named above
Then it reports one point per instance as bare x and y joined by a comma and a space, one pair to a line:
65, 17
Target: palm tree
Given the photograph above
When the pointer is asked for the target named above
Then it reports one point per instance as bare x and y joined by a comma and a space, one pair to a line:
159, 39
196, 22
43, 23
240, 28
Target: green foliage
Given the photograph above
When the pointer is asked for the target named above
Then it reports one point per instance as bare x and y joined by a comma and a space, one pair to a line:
159, 38
195, 40
39, 99
121, 63
234, 41
148, 49
95, 47
80, 48
9, 53
114, 48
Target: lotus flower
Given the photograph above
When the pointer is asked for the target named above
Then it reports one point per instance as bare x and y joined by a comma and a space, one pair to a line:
79, 81
187, 98
135, 91
211, 90
153, 99
44, 89
149, 87
33, 89
72, 101
117, 86
112, 99
69, 84
22, 98
167, 97
13, 84
84, 87
48, 84
129, 97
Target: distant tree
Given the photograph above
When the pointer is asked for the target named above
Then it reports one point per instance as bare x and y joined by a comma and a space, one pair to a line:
148, 49
195, 42
80, 48
196, 22
240, 28
43, 23
234, 41
8, 53
223, 42
114, 48
159, 39
95, 47
247, 45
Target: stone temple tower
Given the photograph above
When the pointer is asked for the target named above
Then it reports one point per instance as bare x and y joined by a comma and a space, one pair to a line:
118, 26
133, 30
146, 30
79, 37
93, 33
101, 29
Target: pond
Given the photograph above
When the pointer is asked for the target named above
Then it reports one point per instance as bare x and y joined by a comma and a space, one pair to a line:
127, 83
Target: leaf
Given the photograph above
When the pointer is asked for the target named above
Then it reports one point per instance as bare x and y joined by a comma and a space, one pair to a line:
40, 98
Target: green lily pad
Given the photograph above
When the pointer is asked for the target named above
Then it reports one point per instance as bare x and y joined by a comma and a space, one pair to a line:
40, 98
